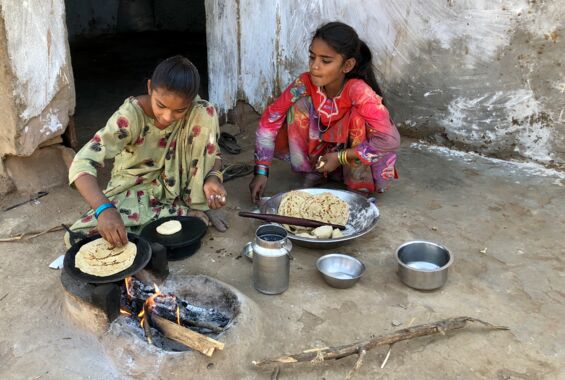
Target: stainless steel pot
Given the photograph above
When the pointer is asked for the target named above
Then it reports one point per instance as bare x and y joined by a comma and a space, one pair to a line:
423, 265
271, 259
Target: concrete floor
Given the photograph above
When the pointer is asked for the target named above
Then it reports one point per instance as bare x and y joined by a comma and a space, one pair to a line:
503, 222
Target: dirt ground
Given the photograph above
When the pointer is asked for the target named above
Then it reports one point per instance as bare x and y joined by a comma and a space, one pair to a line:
503, 222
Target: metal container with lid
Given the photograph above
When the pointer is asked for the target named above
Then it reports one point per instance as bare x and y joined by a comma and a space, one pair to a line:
271, 259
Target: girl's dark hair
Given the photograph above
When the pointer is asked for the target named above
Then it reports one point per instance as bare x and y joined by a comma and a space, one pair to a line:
177, 74
344, 40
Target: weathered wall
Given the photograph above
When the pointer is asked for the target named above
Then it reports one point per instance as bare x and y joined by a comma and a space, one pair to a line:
37, 72
483, 75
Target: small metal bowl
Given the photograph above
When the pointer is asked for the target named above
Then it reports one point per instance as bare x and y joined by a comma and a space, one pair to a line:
423, 265
339, 270
247, 251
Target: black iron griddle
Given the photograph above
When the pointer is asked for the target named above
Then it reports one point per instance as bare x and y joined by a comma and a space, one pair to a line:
182, 244
142, 257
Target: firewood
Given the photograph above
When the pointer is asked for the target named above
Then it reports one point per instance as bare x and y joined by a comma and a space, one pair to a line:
189, 338
360, 348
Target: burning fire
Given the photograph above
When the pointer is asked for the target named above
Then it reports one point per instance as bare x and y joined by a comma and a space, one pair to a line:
157, 303
148, 305
129, 285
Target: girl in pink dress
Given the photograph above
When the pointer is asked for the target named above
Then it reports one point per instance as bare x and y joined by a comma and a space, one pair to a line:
331, 119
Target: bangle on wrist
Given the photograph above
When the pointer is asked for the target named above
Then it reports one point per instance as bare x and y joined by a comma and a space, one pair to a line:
342, 157
261, 170
218, 174
103, 207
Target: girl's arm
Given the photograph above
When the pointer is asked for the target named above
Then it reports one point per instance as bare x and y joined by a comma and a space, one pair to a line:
269, 125
108, 142
273, 119
110, 224
120, 130
381, 133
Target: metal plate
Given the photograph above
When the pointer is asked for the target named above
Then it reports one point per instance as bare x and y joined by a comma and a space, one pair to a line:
142, 257
363, 216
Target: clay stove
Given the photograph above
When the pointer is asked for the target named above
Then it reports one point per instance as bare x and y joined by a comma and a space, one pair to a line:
185, 310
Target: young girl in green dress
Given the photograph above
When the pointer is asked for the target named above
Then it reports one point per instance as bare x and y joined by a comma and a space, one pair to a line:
166, 158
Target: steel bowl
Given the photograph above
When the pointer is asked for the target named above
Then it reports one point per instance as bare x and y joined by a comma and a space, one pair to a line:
363, 216
339, 270
423, 265
247, 251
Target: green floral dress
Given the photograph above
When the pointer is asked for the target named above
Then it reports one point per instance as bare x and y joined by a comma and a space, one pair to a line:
156, 173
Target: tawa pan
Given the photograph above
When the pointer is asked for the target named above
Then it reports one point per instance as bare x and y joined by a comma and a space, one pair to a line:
142, 257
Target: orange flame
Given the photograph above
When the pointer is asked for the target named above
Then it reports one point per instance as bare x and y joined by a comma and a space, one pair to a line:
129, 289
124, 312
178, 315
141, 317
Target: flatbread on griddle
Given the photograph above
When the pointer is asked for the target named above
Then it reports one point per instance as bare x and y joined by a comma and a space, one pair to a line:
99, 258
169, 228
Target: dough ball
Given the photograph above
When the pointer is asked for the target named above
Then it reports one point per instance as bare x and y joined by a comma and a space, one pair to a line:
306, 235
336, 233
323, 232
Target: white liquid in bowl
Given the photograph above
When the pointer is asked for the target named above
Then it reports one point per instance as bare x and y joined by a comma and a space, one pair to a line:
423, 265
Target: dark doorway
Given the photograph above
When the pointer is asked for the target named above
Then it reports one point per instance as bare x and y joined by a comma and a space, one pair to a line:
116, 44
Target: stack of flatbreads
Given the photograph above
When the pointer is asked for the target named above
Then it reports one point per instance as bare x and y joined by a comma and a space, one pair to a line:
99, 258
324, 207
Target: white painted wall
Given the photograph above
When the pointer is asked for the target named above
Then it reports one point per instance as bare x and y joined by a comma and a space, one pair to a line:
481, 74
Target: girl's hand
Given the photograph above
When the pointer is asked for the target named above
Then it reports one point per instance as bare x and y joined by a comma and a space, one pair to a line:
215, 192
328, 163
111, 227
257, 187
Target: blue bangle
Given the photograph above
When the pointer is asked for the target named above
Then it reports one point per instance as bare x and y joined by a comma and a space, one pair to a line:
103, 207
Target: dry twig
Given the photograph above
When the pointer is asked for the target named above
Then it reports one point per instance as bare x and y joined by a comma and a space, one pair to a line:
358, 365
329, 353
30, 235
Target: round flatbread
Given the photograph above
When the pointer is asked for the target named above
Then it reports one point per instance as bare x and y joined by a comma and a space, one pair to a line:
324, 207
327, 208
99, 258
169, 227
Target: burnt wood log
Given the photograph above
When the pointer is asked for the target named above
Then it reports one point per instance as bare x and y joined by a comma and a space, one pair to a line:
189, 338
200, 319
146, 324
166, 306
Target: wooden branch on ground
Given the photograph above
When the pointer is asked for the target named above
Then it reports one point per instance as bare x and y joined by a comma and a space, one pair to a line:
30, 235
329, 353
189, 338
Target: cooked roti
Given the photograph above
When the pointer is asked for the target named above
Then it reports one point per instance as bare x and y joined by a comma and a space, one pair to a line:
100, 259
170, 227
324, 207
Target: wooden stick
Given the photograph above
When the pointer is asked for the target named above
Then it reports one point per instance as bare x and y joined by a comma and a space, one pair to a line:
358, 365
192, 339
30, 235
439, 327
146, 325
